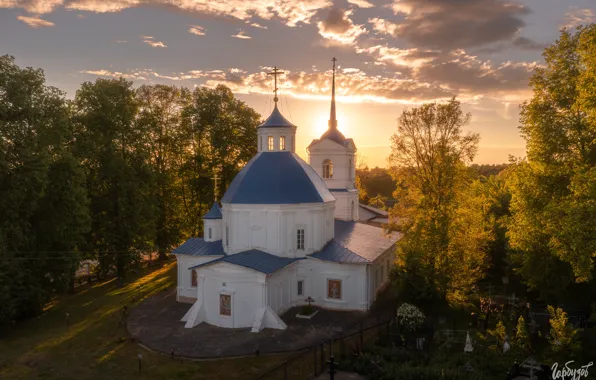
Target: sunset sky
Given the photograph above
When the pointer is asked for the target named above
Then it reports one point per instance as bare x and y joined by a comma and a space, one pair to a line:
391, 55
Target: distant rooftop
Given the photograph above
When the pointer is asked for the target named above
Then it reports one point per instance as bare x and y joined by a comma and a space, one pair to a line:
276, 120
214, 212
200, 247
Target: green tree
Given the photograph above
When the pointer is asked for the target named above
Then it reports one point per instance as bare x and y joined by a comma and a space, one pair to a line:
522, 339
223, 138
42, 194
120, 180
442, 254
160, 118
552, 227
563, 336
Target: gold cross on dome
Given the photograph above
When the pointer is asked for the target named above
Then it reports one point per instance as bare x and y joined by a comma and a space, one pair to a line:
275, 73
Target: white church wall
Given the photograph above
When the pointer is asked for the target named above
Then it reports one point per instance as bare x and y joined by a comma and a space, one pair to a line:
353, 284
215, 226
343, 159
246, 288
346, 205
280, 289
273, 228
379, 272
185, 292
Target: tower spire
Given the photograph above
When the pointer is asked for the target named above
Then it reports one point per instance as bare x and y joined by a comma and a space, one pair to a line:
275, 72
332, 117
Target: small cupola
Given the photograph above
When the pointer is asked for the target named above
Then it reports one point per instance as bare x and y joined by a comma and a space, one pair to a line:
276, 134
212, 222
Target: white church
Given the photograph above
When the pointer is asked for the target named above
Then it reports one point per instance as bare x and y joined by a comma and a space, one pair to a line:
286, 231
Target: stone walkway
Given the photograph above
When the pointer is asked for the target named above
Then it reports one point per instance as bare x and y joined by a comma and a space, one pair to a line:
155, 323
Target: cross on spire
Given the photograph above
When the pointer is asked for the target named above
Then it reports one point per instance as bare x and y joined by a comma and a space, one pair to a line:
215, 178
275, 72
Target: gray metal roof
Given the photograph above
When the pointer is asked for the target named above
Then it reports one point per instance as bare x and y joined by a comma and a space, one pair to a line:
277, 178
374, 210
214, 212
356, 243
200, 247
254, 259
276, 120
335, 252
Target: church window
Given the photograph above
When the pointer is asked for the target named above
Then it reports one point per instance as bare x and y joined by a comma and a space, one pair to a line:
193, 281
227, 236
270, 140
327, 169
300, 239
300, 288
282, 143
260, 142
352, 211
225, 305
209, 232
334, 289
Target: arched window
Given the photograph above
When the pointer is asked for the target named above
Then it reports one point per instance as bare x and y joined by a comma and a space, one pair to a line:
270, 142
282, 143
327, 169
260, 142
352, 211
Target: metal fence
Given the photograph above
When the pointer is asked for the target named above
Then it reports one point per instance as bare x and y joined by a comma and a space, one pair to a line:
313, 361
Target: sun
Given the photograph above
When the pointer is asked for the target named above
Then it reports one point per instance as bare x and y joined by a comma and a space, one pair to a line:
322, 124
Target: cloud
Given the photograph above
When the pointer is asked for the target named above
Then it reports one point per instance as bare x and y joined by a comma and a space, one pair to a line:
576, 16
464, 73
37, 7
241, 35
35, 22
339, 27
527, 44
120, 41
457, 71
290, 13
257, 25
198, 30
454, 24
152, 42
361, 3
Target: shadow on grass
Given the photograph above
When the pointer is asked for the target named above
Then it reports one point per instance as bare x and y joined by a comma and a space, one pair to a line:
95, 344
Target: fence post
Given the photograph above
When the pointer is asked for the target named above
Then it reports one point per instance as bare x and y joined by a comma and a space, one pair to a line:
361, 337
322, 357
314, 351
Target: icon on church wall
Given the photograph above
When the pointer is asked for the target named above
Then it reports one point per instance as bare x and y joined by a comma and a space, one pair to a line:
334, 289
225, 305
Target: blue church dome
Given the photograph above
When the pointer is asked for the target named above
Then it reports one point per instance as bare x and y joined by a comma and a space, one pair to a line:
277, 178
276, 120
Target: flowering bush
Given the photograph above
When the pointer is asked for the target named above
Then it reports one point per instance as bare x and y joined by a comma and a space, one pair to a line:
409, 317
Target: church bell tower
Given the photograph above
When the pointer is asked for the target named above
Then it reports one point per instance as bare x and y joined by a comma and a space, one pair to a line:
333, 156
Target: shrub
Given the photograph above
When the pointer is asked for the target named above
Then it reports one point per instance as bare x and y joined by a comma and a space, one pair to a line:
563, 335
410, 318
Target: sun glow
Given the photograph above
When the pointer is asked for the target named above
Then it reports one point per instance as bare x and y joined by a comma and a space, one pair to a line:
322, 124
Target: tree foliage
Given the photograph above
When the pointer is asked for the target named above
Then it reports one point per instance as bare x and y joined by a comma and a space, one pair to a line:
442, 254
552, 226
117, 172
42, 194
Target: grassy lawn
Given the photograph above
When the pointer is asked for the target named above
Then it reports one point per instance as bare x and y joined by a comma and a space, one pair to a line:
94, 346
